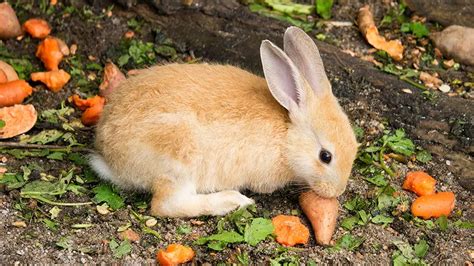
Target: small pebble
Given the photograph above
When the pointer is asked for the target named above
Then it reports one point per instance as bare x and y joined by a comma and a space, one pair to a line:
103, 209
444, 88
151, 222
407, 91
19, 224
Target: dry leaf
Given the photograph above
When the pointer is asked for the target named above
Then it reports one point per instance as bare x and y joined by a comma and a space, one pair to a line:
429, 80
367, 26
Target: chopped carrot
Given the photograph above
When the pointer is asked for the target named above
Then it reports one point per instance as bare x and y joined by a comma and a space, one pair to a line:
18, 120
9, 25
3, 76
435, 205
112, 79
54, 80
14, 92
322, 213
37, 28
92, 108
420, 182
367, 26
289, 230
174, 255
50, 53
53, 2
9, 71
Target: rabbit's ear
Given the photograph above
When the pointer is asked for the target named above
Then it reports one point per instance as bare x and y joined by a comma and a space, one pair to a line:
301, 49
283, 78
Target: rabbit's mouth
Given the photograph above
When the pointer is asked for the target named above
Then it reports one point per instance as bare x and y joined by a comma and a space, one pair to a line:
328, 189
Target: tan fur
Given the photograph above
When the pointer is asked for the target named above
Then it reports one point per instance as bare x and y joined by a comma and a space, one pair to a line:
184, 130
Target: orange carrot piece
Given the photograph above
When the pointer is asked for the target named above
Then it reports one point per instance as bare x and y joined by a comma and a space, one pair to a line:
420, 182
14, 92
289, 230
50, 53
54, 80
435, 205
322, 213
37, 28
92, 114
174, 255
18, 120
92, 108
53, 2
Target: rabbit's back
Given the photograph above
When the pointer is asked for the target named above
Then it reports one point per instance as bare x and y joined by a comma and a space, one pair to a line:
215, 120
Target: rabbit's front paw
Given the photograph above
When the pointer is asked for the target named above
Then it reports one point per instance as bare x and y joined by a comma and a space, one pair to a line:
229, 201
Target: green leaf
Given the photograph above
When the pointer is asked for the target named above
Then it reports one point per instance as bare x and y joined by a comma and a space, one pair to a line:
53, 226
382, 219
323, 8
442, 223
464, 224
2, 123
120, 250
419, 30
105, 193
12, 180
423, 156
227, 236
123, 60
378, 180
184, 229
405, 27
243, 258
56, 156
64, 242
350, 222
355, 204
421, 248
258, 230
348, 242
44, 137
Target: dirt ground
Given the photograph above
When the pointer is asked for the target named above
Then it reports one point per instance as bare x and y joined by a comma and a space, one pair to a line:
80, 234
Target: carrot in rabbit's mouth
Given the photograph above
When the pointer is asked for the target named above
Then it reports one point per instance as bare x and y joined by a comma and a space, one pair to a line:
322, 213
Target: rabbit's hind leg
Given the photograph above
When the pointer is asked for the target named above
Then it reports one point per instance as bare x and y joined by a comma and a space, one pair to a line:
171, 200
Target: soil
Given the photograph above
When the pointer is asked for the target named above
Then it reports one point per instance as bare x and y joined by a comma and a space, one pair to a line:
229, 33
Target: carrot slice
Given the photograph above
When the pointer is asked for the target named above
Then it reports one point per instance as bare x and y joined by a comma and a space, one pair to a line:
18, 120
54, 80
322, 213
50, 53
37, 28
435, 205
420, 182
3, 76
9, 71
174, 255
14, 92
289, 230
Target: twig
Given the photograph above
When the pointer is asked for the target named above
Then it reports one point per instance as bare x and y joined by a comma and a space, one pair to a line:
41, 146
45, 200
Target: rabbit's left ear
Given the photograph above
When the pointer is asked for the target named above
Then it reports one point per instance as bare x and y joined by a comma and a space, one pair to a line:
301, 49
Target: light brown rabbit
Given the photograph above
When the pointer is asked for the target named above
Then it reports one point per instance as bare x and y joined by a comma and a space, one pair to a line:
196, 134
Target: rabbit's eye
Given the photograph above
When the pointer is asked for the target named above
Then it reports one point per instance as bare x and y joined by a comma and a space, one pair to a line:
325, 156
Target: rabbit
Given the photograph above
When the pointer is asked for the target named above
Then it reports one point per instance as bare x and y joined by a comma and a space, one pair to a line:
195, 134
